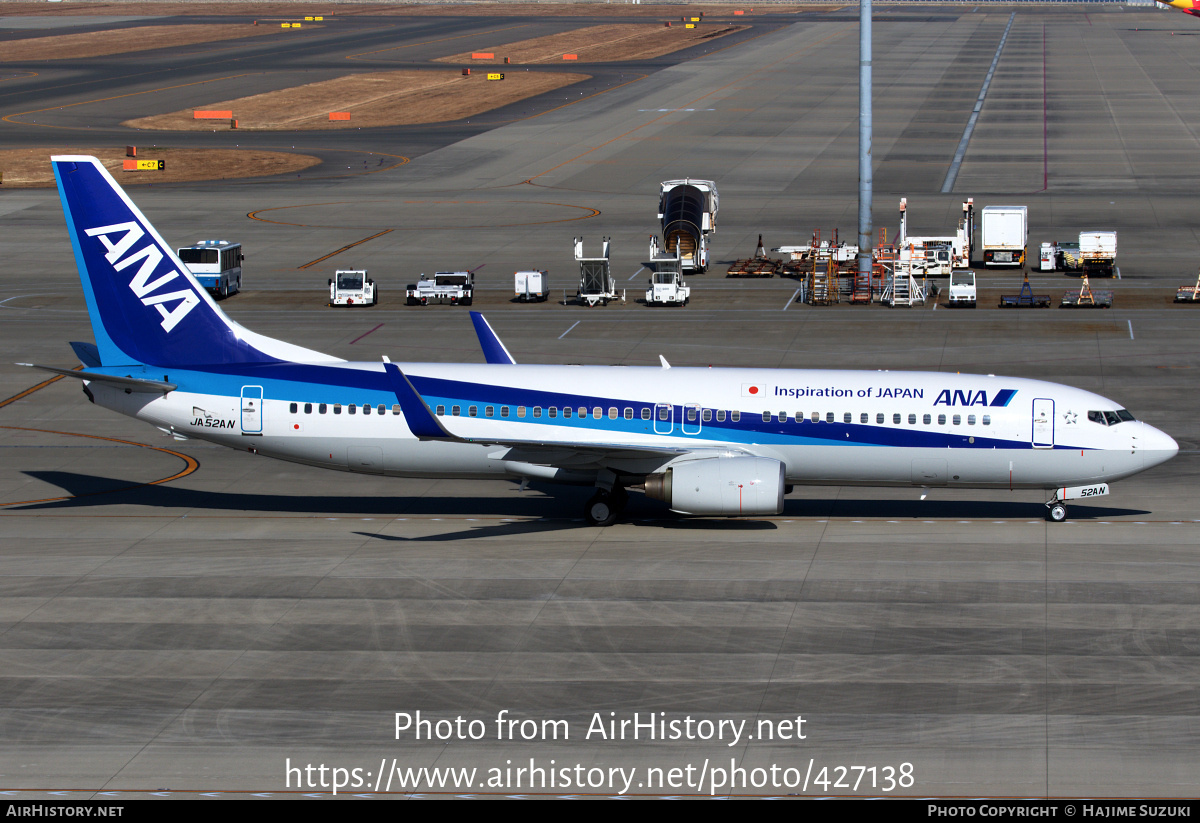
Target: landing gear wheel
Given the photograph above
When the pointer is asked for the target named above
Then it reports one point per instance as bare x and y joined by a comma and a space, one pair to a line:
1057, 513
604, 508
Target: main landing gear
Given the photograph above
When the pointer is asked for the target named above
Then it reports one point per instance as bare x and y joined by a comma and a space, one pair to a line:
605, 507
607, 504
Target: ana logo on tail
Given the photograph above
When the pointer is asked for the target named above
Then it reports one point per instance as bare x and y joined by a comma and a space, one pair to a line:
141, 284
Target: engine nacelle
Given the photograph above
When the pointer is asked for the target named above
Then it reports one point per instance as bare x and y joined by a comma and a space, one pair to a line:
729, 486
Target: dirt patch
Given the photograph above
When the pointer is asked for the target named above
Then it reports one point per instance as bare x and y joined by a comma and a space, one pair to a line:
595, 44
30, 168
393, 98
120, 41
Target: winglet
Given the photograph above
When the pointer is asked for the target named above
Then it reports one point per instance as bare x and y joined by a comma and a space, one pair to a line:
421, 421
493, 350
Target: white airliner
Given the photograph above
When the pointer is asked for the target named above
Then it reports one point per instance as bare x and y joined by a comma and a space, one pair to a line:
723, 442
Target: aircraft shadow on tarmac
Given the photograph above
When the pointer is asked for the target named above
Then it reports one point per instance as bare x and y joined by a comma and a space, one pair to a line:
558, 503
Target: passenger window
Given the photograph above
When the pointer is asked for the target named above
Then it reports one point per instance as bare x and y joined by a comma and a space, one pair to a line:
566, 411
970, 420
472, 411
337, 408
552, 411
912, 420
350, 409
504, 411
847, 417
395, 408
612, 412
828, 417
707, 415
896, 419
816, 416
879, 417
321, 409
799, 417
987, 420
958, 419
628, 413
766, 417
663, 412
308, 408
926, 420
691, 415
489, 411
597, 413
381, 409
455, 411
941, 419
537, 411
366, 409
735, 416
441, 411
583, 411
293, 408
863, 418
646, 413
720, 415
520, 411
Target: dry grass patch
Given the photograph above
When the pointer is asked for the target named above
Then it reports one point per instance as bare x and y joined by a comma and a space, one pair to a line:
392, 98
30, 168
120, 41
596, 44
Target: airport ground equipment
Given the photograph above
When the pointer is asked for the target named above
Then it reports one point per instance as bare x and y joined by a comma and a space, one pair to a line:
757, 266
216, 264
1098, 253
1086, 298
533, 285
939, 256
1058, 256
596, 283
962, 289
1003, 235
352, 287
1026, 299
901, 288
1048, 257
687, 211
1189, 294
457, 287
666, 282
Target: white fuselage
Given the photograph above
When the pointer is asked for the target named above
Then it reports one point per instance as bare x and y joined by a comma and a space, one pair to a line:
826, 427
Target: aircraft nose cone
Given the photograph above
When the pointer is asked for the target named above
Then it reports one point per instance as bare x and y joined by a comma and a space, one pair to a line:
1156, 446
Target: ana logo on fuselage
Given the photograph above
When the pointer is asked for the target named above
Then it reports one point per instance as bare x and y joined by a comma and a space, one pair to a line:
958, 397
141, 284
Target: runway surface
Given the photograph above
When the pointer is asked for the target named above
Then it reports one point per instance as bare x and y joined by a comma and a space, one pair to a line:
225, 629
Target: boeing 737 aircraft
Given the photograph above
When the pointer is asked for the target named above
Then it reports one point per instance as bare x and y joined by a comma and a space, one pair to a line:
723, 442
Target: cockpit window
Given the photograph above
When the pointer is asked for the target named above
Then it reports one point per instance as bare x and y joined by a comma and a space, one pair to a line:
1110, 418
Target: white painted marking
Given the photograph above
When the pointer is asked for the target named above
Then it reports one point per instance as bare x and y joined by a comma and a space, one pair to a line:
636, 273
1130, 322
568, 331
791, 300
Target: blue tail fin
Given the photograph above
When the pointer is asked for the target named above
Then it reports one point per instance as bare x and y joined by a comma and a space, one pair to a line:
144, 304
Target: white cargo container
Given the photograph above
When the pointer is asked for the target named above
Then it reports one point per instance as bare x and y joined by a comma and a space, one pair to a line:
532, 285
1003, 234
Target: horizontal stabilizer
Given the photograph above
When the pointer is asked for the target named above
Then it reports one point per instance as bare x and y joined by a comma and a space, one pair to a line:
133, 384
87, 353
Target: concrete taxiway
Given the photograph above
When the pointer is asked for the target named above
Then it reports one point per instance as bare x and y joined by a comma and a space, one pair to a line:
214, 630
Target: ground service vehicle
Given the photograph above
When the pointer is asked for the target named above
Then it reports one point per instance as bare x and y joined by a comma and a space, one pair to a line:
352, 287
1003, 235
666, 282
457, 287
962, 289
707, 441
532, 285
1098, 253
687, 210
216, 265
